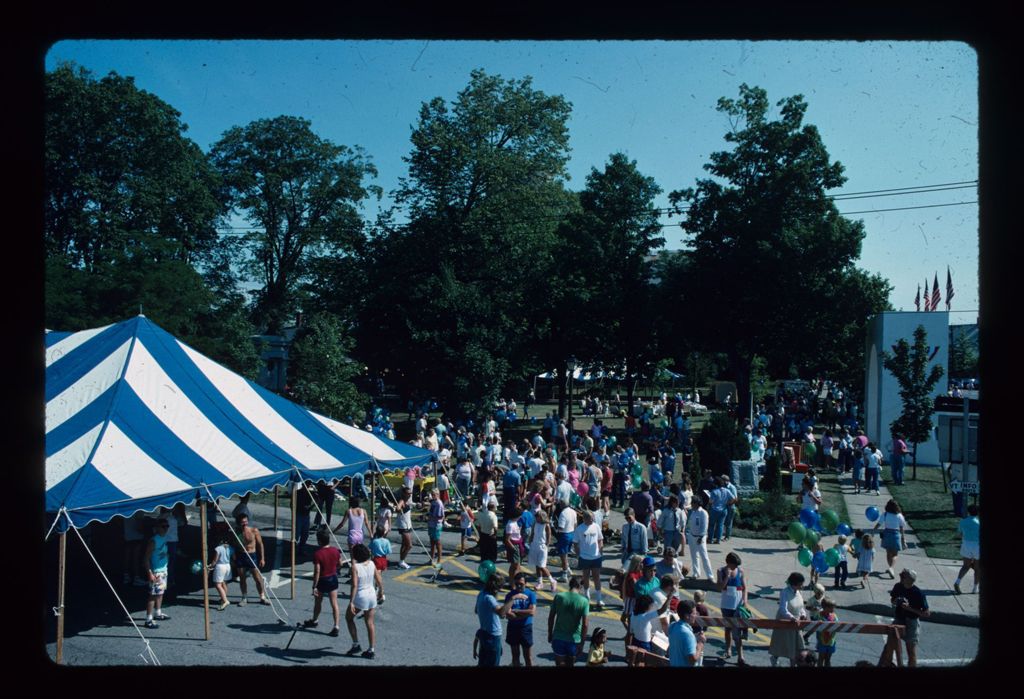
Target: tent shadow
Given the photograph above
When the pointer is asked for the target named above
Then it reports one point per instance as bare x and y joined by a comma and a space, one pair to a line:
263, 628
297, 655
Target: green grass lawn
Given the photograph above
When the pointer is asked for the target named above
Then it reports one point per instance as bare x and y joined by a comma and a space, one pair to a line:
929, 511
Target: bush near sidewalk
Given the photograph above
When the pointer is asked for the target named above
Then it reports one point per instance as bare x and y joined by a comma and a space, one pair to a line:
929, 512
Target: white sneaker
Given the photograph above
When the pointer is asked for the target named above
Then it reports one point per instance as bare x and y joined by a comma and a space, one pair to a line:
404, 565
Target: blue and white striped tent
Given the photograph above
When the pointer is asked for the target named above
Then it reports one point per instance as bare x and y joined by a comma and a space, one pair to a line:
136, 419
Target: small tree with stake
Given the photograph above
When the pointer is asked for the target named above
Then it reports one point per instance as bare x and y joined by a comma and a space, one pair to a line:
909, 364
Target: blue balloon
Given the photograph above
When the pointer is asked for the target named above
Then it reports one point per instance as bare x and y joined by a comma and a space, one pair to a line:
844, 529
807, 518
871, 513
819, 563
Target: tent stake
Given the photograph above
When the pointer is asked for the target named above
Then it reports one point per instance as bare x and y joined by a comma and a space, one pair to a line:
295, 493
206, 573
60, 598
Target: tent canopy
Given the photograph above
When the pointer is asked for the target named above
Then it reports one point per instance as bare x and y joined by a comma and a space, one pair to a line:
136, 419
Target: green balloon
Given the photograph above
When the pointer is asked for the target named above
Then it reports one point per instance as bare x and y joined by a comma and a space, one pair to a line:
829, 520
797, 532
804, 556
810, 450
574, 500
636, 481
832, 558
485, 570
811, 538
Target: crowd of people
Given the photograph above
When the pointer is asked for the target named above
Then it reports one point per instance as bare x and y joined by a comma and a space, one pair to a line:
544, 502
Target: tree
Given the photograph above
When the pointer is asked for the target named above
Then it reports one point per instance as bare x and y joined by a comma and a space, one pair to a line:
460, 297
606, 247
772, 259
300, 192
123, 183
321, 372
720, 443
963, 357
909, 365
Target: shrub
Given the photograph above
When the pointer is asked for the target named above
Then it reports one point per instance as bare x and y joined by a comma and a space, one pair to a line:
766, 516
720, 442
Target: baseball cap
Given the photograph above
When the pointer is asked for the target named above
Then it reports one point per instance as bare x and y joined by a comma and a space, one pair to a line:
649, 562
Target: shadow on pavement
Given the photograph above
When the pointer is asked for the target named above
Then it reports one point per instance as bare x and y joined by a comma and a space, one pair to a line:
275, 628
297, 655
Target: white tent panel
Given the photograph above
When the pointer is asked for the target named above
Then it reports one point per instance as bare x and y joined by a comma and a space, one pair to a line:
173, 408
130, 469
71, 458
70, 342
84, 391
264, 418
361, 439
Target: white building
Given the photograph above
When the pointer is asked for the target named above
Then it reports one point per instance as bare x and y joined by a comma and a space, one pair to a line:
882, 403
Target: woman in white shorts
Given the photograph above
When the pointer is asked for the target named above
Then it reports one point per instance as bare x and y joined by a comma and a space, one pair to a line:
221, 568
363, 599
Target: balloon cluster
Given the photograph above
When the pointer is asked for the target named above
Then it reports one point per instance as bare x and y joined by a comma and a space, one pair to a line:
807, 532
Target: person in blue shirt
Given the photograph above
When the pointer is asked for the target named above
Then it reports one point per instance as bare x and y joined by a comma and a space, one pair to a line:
156, 569
970, 529
487, 643
520, 620
511, 490
668, 460
684, 649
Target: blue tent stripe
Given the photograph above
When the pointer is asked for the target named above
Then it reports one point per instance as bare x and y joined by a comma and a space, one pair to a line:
83, 421
214, 406
70, 368
164, 446
54, 336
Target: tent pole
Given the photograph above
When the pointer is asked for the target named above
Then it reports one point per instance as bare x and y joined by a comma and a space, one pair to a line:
373, 495
295, 492
275, 507
60, 597
203, 546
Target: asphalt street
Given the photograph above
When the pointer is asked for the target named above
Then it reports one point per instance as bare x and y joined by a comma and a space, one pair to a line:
424, 622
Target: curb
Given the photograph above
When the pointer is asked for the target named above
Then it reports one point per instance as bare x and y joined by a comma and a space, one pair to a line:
885, 610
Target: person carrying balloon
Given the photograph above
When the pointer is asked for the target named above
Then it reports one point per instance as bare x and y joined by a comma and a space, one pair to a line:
893, 539
814, 604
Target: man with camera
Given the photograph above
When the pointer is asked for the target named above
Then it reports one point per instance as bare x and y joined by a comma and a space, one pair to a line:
910, 606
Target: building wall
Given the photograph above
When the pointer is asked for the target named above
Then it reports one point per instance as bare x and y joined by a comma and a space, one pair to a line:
882, 402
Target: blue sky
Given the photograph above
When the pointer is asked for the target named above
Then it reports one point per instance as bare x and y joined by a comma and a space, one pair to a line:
896, 114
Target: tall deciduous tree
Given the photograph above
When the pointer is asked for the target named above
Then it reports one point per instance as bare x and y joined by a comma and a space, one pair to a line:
300, 192
122, 179
460, 296
606, 250
909, 365
773, 261
321, 372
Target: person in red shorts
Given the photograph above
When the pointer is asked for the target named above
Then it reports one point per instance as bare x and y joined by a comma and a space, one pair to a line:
380, 549
326, 560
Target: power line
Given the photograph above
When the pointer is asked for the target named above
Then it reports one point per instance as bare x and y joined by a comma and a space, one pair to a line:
905, 208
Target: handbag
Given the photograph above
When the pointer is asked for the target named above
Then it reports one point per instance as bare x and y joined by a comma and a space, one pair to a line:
743, 612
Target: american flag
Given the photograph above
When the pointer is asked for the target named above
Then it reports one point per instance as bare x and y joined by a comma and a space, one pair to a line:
935, 293
949, 287
917, 298
927, 298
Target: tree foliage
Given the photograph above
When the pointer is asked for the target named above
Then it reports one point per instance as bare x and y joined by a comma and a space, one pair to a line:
719, 443
606, 248
321, 372
458, 297
963, 357
122, 180
773, 262
909, 365
300, 192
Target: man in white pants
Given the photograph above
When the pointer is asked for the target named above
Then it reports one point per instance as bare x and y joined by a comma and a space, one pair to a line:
697, 538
